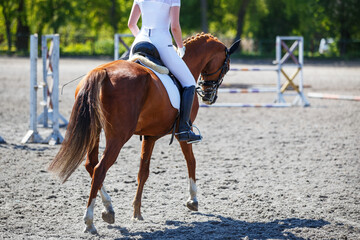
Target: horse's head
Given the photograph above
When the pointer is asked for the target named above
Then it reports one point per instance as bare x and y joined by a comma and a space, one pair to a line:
217, 64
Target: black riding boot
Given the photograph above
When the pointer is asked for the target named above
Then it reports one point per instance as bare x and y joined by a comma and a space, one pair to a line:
185, 133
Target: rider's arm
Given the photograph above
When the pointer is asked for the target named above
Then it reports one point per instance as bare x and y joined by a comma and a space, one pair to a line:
175, 25
133, 19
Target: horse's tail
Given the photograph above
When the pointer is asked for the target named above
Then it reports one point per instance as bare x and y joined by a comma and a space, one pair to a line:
84, 126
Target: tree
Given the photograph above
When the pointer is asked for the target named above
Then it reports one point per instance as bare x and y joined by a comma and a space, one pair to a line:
190, 16
9, 13
204, 22
279, 20
344, 15
22, 30
114, 19
240, 18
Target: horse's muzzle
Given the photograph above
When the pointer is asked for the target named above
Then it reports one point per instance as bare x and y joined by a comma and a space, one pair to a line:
209, 98
207, 93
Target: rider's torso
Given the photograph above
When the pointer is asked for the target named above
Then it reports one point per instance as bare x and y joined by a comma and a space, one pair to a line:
155, 15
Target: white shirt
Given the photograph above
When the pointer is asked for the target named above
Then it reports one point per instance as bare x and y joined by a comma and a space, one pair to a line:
155, 25
155, 14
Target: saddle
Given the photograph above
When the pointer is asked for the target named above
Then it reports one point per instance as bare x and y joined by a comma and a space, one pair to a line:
145, 53
149, 51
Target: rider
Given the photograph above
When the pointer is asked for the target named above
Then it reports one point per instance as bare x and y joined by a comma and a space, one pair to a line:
157, 16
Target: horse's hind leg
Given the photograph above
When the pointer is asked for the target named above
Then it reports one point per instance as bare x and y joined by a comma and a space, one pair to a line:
109, 157
108, 214
146, 151
186, 148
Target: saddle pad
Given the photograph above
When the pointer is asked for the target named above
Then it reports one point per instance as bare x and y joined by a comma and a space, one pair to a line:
148, 63
170, 87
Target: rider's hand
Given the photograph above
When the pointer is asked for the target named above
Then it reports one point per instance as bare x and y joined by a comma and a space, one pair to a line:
181, 52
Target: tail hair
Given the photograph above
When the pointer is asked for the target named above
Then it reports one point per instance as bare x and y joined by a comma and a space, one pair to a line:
84, 127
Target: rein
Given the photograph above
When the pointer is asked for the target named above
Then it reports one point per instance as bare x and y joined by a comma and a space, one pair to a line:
209, 93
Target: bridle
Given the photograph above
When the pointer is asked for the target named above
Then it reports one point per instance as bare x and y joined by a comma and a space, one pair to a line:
209, 95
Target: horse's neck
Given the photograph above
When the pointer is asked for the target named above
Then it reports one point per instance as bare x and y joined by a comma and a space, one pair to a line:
197, 59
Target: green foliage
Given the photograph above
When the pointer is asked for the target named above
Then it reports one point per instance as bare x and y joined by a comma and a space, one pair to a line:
223, 17
87, 27
190, 16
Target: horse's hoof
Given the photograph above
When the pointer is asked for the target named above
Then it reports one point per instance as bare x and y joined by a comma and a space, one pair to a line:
137, 218
108, 216
192, 205
90, 229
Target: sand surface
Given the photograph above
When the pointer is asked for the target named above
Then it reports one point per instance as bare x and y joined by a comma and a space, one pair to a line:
290, 173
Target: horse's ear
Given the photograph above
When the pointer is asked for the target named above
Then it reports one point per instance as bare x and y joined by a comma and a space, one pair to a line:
234, 46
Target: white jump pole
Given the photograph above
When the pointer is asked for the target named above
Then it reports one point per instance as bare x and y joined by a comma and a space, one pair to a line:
44, 51
117, 41
249, 105
279, 98
32, 136
333, 96
116, 46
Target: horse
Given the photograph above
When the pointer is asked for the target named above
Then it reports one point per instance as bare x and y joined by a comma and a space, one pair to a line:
125, 98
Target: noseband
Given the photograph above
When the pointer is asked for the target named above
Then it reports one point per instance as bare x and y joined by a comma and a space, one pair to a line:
210, 93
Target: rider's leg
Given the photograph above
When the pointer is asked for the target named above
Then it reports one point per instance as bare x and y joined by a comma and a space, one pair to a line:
185, 133
178, 67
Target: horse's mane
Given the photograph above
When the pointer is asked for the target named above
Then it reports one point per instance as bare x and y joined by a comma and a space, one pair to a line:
200, 37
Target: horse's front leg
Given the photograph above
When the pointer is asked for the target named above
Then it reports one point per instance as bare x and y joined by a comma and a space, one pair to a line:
192, 202
146, 151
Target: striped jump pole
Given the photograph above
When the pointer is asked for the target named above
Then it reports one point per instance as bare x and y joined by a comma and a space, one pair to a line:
246, 90
247, 105
333, 96
51, 69
253, 69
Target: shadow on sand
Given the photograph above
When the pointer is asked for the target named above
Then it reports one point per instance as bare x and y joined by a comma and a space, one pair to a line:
226, 228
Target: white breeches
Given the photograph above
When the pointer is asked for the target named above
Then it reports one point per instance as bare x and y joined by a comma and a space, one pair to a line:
163, 42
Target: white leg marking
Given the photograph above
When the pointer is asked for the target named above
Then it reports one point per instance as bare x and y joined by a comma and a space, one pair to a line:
192, 202
192, 189
108, 214
105, 198
89, 217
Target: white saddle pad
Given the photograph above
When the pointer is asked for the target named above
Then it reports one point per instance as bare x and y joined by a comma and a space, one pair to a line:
171, 89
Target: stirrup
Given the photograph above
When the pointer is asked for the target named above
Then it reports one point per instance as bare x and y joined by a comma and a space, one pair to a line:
189, 141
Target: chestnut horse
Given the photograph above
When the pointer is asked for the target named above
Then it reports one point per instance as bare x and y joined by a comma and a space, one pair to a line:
125, 98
